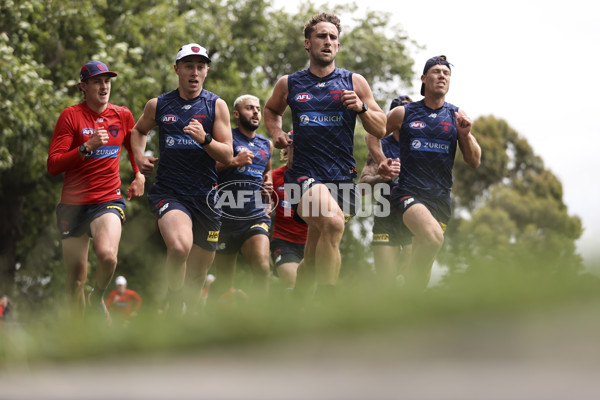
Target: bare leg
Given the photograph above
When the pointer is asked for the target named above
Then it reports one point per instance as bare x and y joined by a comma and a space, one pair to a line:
106, 234
427, 242
198, 264
176, 229
75, 256
325, 222
256, 251
287, 273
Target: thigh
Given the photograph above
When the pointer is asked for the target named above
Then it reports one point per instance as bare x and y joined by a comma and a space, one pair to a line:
176, 229
317, 205
256, 248
106, 231
419, 220
75, 255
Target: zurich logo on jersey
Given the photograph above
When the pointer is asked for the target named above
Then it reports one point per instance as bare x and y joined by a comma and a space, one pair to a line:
302, 97
417, 125
169, 119
416, 144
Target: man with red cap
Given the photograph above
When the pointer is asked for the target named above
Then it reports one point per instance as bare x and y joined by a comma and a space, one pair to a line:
86, 147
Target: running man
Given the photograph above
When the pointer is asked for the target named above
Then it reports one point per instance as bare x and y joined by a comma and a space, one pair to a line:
325, 101
245, 185
86, 147
194, 133
429, 132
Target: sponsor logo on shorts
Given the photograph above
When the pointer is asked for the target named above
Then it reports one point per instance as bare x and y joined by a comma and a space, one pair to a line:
163, 208
119, 210
261, 225
213, 236
407, 201
381, 237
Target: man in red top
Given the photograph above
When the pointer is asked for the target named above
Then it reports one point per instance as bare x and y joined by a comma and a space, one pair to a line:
289, 236
119, 301
86, 147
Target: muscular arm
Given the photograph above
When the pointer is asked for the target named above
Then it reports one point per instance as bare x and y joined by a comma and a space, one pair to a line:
273, 113
369, 173
374, 119
221, 148
466, 141
139, 136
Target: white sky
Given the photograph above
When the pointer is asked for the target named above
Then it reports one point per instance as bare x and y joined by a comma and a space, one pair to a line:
531, 63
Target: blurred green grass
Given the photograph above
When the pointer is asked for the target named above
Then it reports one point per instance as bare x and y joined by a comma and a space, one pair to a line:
360, 306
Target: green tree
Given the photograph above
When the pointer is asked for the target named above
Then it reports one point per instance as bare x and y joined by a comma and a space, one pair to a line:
43, 45
510, 211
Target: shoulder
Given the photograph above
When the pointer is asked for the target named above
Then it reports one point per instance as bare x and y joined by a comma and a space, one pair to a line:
452, 107
121, 109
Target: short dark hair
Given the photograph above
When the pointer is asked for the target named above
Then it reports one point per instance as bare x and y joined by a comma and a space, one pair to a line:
309, 27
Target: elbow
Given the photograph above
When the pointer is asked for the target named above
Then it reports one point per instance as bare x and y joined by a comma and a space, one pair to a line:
52, 169
379, 133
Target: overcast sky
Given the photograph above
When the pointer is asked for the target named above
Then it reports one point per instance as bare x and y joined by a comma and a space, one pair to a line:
531, 63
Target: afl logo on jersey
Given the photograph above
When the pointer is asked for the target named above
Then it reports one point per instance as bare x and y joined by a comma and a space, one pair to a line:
302, 97
87, 132
241, 148
417, 125
169, 119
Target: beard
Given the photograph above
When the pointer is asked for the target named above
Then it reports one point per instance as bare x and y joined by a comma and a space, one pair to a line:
246, 123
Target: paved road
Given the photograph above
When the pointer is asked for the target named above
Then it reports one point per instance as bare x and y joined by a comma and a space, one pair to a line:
552, 356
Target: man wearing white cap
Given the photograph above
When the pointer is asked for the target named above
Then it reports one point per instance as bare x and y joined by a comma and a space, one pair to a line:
120, 300
86, 147
194, 133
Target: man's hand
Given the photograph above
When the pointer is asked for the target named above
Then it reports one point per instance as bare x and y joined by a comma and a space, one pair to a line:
282, 141
98, 139
242, 158
389, 169
196, 131
146, 165
463, 123
136, 189
351, 101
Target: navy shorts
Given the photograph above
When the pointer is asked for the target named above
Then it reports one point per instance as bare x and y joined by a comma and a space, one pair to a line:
74, 220
283, 251
344, 192
440, 208
206, 218
235, 233
390, 231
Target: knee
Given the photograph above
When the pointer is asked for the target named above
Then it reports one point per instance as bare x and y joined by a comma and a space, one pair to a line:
262, 267
434, 238
178, 250
107, 256
332, 227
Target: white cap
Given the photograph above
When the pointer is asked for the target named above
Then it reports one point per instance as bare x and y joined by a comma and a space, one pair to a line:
121, 280
192, 49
